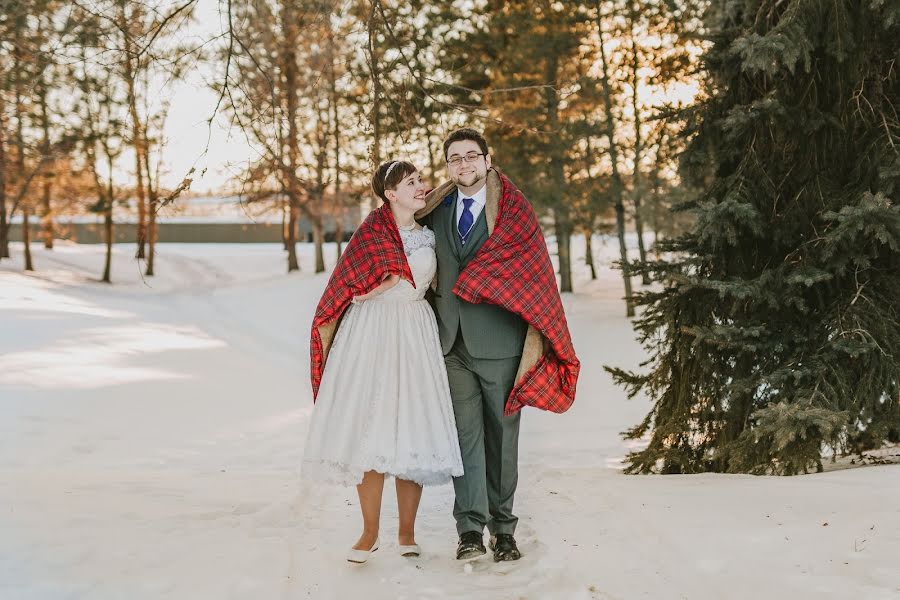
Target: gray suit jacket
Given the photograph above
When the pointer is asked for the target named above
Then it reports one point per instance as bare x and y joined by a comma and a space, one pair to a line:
488, 331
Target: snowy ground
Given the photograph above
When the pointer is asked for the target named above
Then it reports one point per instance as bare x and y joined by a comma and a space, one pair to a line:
150, 434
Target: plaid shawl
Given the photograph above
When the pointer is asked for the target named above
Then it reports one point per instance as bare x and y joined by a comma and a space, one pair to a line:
512, 269
374, 251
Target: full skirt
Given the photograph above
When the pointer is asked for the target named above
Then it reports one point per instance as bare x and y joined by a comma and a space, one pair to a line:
384, 401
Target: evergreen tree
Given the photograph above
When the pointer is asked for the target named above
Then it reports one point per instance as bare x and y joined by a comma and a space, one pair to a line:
525, 66
775, 334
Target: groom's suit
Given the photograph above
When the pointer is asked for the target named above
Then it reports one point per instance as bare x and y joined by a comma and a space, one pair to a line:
482, 345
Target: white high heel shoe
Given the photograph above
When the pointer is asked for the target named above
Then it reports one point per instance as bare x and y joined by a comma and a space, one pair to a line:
410, 551
361, 556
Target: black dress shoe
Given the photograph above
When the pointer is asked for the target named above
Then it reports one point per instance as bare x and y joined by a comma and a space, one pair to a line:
504, 547
471, 545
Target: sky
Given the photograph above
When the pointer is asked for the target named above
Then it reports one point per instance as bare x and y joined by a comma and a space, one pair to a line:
191, 140
221, 149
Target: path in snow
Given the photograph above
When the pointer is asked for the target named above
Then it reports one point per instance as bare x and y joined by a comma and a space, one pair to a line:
150, 433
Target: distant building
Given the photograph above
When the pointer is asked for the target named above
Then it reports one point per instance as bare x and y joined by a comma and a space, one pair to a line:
210, 219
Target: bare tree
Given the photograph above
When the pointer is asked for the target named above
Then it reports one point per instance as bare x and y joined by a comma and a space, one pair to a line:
617, 185
637, 183
102, 115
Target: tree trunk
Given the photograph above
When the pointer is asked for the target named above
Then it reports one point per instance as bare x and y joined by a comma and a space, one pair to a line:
623, 252
639, 228
151, 241
19, 132
289, 25
376, 93
108, 232
140, 251
137, 137
153, 198
47, 232
285, 209
638, 149
319, 240
561, 215
316, 208
293, 265
589, 253
336, 137
4, 223
339, 231
47, 229
563, 230
21, 195
26, 236
108, 218
618, 187
653, 179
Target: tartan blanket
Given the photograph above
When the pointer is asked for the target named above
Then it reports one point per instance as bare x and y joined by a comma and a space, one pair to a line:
512, 269
374, 252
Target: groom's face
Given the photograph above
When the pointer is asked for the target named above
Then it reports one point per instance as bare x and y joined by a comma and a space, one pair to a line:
465, 173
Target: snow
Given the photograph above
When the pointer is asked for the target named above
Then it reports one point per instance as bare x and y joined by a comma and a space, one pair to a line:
151, 432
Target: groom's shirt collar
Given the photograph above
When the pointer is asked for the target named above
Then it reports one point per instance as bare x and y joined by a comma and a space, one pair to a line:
479, 197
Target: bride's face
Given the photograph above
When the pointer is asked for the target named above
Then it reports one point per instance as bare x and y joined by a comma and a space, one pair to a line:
410, 193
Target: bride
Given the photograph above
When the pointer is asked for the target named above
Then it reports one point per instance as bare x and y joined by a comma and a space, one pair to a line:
383, 404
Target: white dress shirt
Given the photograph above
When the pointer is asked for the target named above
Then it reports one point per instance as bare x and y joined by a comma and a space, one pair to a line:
480, 198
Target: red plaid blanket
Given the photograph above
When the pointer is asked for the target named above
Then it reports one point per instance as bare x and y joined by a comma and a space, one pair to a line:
513, 270
374, 251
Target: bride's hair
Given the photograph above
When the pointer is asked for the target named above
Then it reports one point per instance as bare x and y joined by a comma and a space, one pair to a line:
389, 175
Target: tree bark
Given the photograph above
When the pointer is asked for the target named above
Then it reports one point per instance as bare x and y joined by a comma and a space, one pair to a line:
137, 136
336, 137
589, 253
316, 208
563, 230
638, 149
289, 45
151, 240
153, 197
618, 187
4, 223
293, 265
26, 236
21, 195
318, 230
285, 210
47, 229
561, 217
339, 230
108, 234
376, 92
108, 222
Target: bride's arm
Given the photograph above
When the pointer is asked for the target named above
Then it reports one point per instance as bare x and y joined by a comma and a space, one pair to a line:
389, 282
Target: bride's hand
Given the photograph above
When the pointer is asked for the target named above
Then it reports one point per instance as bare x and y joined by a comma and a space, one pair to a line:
387, 283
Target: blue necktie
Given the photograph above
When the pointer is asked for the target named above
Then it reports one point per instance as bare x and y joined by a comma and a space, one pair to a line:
465, 220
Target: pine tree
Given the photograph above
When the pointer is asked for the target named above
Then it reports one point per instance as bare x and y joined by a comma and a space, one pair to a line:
523, 65
775, 332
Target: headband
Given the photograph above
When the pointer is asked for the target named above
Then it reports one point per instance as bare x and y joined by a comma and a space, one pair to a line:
390, 168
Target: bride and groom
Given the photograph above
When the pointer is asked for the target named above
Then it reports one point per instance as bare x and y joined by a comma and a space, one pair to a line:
429, 390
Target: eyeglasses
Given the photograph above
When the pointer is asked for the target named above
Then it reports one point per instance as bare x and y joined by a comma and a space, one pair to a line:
470, 157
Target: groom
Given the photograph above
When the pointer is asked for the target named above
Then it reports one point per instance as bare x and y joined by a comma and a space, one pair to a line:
491, 368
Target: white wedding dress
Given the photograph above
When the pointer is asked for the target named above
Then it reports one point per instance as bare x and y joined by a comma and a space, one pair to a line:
384, 400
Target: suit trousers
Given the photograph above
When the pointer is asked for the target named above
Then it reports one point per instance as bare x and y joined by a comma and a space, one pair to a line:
488, 441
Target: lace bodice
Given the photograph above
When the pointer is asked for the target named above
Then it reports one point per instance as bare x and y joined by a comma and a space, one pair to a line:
418, 244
